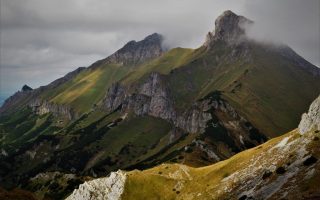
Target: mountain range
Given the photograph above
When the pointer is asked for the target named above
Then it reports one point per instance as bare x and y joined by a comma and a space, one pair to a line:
145, 105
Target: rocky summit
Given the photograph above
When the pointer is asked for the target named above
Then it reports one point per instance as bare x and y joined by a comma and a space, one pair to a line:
134, 53
215, 122
229, 27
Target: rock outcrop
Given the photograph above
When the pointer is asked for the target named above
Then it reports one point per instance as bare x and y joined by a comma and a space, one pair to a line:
109, 188
153, 97
16, 100
134, 53
229, 28
311, 119
41, 107
26, 88
194, 119
150, 98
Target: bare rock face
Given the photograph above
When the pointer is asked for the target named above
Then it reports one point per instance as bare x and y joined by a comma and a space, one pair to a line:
114, 97
134, 53
108, 188
195, 118
153, 97
311, 120
228, 28
161, 103
150, 98
42, 107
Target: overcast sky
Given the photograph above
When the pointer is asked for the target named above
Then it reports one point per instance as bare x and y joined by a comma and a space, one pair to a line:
42, 40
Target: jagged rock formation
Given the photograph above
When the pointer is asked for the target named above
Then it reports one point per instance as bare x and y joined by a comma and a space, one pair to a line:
152, 98
311, 119
134, 53
229, 28
26, 88
109, 188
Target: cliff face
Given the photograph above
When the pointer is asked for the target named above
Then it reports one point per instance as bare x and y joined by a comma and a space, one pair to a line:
311, 119
41, 107
229, 28
211, 114
150, 98
110, 188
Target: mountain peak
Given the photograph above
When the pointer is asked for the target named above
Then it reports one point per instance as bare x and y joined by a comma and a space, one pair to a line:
156, 37
228, 28
26, 88
134, 52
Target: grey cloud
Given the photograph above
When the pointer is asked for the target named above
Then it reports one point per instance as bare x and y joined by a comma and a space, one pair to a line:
43, 39
292, 22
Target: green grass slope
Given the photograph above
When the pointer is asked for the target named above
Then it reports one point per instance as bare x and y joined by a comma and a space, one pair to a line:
87, 88
90, 86
270, 90
273, 170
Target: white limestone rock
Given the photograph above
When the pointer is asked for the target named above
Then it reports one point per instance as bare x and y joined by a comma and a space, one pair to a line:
108, 188
311, 120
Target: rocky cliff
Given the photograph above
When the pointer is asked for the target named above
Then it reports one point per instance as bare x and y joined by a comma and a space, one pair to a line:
210, 114
229, 28
134, 53
149, 98
110, 188
41, 107
311, 119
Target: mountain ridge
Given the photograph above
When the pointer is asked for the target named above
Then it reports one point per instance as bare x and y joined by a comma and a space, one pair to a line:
134, 110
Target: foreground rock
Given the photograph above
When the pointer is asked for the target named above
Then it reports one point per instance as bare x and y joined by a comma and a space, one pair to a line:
109, 188
311, 120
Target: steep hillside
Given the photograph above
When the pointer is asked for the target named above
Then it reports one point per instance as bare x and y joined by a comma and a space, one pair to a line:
286, 167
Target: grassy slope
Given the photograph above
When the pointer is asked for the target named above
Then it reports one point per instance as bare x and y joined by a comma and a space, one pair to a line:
176, 181
269, 90
90, 86
170, 60
24, 126
127, 141
276, 90
87, 88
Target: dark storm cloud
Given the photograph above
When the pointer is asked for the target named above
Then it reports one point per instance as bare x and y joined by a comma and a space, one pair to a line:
42, 40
